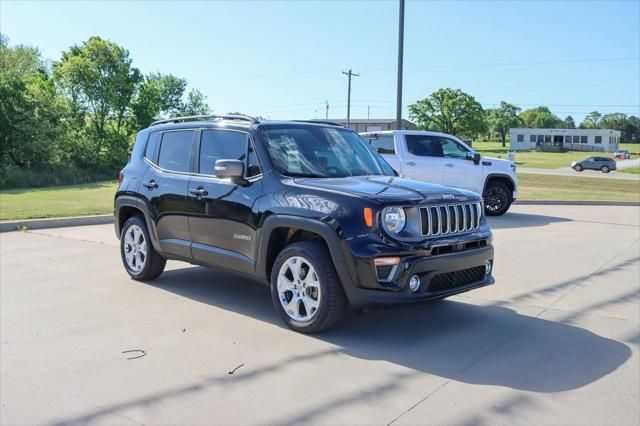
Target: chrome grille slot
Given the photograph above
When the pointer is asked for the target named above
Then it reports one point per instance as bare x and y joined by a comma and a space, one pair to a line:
450, 219
444, 220
435, 221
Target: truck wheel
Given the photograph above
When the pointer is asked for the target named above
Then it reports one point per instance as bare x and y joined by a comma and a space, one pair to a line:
605, 169
497, 198
140, 259
577, 168
305, 288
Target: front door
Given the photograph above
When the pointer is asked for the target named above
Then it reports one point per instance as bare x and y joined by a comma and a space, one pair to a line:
165, 186
459, 170
222, 216
423, 159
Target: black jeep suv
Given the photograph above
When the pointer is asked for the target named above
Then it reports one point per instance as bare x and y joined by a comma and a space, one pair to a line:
308, 207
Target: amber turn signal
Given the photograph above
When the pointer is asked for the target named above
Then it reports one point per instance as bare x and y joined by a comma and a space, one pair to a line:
368, 216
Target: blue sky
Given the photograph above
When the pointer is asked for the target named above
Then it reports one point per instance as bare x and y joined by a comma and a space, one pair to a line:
284, 59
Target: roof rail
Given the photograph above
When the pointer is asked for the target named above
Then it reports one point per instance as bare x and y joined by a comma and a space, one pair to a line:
330, 123
252, 120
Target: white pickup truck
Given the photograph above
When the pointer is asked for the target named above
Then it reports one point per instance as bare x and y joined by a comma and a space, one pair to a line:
445, 159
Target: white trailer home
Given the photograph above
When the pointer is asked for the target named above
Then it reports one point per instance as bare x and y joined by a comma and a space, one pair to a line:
596, 140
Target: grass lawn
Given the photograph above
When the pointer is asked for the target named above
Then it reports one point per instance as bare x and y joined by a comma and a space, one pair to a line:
549, 187
633, 170
543, 160
97, 198
58, 201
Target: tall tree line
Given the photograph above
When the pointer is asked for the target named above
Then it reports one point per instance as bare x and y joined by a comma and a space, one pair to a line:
455, 112
74, 120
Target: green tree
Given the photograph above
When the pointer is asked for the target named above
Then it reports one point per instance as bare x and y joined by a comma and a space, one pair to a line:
569, 122
540, 118
196, 104
503, 118
591, 121
157, 96
450, 111
100, 79
30, 110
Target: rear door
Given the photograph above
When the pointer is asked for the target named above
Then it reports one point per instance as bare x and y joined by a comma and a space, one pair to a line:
164, 186
459, 171
423, 159
222, 213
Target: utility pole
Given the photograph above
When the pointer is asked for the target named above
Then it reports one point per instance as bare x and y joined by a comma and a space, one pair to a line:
349, 74
326, 112
400, 56
368, 110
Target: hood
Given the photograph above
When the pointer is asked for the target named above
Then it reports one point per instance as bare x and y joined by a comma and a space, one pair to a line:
390, 189
500, 162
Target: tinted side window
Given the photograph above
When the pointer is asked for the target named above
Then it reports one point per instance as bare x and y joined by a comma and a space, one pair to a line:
152, 144
424, 145
221, 145
383, 144
175, 150
452, 149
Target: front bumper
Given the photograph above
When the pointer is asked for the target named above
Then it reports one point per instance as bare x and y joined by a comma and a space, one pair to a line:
440, 276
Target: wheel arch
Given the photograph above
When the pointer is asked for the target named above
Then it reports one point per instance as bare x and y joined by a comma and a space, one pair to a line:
281, 230
127, 206
499, 177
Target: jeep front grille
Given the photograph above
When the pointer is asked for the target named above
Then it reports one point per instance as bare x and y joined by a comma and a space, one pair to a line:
450, 218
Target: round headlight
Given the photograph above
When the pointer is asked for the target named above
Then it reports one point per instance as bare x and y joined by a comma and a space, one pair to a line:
394, 219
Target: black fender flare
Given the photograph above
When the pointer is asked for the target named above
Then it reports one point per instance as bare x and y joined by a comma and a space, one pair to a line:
327, 232
135, 202
500, 176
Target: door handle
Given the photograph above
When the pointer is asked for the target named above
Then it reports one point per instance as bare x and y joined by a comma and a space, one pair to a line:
410, 163
151, 184
449, 164
199, 192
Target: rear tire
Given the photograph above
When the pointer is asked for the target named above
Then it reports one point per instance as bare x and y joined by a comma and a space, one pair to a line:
141, 261
577, 168
303, 277
497, 198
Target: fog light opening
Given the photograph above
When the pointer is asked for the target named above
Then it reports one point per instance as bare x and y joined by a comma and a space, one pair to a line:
487, 267
414, 283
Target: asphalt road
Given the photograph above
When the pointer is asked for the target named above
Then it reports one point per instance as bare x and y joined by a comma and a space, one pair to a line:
555, 341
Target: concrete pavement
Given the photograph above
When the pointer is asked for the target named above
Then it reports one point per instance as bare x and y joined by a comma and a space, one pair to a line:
555, 341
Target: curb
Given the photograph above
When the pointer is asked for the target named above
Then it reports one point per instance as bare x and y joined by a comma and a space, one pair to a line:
58, 222
575, 203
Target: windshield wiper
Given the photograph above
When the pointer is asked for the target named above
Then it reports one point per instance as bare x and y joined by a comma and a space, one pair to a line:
307, 175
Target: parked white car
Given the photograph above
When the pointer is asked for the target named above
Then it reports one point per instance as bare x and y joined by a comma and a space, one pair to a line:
444, 159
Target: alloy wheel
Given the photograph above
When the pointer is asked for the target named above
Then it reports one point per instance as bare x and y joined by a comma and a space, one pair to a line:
495, 199
135, 248
299, 289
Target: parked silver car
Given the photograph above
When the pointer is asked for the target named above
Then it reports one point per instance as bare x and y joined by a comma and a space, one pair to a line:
623, 154
604, 164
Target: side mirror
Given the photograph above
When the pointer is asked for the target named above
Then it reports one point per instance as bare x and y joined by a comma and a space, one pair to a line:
474, 156
233, 169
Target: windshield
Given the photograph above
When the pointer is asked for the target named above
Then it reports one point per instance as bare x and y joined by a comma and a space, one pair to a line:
311, 151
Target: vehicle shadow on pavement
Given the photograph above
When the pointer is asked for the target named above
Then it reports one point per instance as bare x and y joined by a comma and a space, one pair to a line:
482, 345
444, 338
512, 220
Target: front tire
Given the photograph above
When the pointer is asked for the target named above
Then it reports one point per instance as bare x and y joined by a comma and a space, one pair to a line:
577, 168
141, 261
305, 288
497, 198
605, 169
